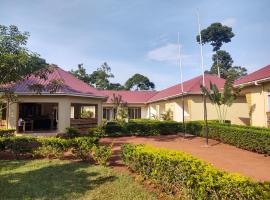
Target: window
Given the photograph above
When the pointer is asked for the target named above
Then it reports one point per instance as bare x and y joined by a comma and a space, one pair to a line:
109, 113
72, 112
88, 112
134, 113
3, 111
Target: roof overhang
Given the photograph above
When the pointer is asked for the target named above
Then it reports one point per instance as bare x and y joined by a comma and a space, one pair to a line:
169, 97
61, 94
255, 82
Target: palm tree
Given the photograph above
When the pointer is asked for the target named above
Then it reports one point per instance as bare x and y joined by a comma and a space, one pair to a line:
222, 100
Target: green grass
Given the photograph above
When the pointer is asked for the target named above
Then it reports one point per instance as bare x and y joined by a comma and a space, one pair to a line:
56, 179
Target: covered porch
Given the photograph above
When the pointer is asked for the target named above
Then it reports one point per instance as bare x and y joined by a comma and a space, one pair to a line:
41, 114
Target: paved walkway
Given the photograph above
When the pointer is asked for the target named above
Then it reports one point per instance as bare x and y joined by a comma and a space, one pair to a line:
222, 156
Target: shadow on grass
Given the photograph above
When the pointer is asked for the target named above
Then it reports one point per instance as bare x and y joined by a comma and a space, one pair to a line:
61, 181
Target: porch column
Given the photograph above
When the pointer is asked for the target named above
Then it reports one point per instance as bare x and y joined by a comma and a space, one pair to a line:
99, 113
12, 115
64, 109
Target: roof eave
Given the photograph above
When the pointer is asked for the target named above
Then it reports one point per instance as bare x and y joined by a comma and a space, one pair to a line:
253, 82
62, 94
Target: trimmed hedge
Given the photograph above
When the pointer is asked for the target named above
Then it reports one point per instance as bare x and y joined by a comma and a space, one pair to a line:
28, 145
176, 171
245, 137
142, 128
7, 132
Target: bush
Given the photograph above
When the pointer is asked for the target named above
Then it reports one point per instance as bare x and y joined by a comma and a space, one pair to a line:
52, 147
101, 154
97, 132
48, 151
142, 127
7, 132
176, 171
71, 133
82, 147
245, 137
114, 129
18, 145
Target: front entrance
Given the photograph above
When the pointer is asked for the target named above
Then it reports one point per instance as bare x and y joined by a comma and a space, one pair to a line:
37, 117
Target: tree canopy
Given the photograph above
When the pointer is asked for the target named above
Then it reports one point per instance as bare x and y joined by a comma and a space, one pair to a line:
81, 74
216, 34
139, 82
16, 60
224, 61
100, 79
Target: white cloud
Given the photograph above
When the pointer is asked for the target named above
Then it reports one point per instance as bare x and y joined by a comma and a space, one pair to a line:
229, 22
169, 52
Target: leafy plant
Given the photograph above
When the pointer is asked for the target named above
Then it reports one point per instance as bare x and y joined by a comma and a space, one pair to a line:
101, 154
167, 115
49, 151
221, 100
176, 170
71, 133
82, 147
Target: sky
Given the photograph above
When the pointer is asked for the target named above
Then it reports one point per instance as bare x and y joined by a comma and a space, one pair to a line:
140, 36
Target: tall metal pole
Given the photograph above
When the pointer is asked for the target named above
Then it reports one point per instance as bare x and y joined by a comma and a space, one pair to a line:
182, 86
204, 95
218, 67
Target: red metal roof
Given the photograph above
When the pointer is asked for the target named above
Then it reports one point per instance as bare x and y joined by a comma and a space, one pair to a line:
190, 86
255, 76
130, 96
71, 85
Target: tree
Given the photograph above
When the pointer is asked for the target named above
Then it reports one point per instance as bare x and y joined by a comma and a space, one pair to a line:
139, 82
120, 107
100, 77
17, 62
216, 34
81, 74
237, 72
223, 61
222, 100
116, 86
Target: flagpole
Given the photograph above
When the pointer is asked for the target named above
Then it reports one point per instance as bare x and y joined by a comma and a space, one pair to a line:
182, 86
204, 95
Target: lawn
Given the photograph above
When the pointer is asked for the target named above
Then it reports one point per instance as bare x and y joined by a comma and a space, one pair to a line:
57, 179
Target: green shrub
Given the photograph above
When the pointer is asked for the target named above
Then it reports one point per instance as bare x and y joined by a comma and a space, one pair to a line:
142, 127
71, 133
18, 145
176, 171
52, 147
101, 154
82, 146
7, 132
97, 132
113, 129
245, 137
49, 151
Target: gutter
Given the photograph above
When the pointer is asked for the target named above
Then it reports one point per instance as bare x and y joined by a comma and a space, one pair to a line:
256, 82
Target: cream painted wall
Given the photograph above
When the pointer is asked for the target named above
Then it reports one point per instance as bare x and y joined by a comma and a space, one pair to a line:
258, 103
237, 113
64, 108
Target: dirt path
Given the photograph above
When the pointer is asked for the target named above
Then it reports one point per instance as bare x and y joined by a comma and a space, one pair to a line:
222, 156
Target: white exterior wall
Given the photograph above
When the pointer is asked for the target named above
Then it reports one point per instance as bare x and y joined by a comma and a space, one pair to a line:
64, 108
